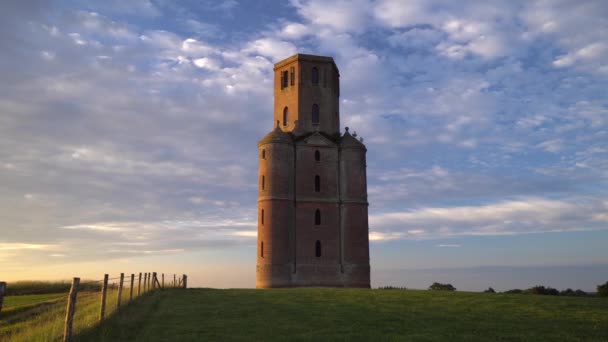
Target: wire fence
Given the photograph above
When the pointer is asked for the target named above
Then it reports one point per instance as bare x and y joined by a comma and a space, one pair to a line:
57, 311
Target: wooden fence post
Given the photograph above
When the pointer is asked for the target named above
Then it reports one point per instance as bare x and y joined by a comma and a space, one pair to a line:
104, 291
2, 292
154, 280
185, 277
163, 283
131, 290
174, 281
69, 315
145, 281
122, 278
149, 280
139, 286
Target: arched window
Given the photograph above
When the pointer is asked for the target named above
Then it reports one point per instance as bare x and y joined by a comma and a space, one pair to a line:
262, 216
318, 249
315, 75
317, 183
263, 182
285, 116
263, 154
317, 155
317, 217
315, 114
262, 249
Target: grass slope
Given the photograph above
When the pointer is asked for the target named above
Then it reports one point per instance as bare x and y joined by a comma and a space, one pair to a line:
41, 317
354, 314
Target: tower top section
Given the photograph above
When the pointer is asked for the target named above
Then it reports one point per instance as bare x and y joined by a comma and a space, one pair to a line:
308, 58
306, 94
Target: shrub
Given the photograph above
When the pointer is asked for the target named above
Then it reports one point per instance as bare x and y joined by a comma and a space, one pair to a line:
489, 290
517, 291
541, 290
602, 290
567, 292
572, 293
392, 288
442, 287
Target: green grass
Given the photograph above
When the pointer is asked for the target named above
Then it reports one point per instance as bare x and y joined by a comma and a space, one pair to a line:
20, 302
28, 287
41, 317
353, 314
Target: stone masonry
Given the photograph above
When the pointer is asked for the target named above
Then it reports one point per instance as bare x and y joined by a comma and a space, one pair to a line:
312, 199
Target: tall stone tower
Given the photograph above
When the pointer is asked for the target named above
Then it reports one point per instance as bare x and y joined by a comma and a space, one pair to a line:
312, 199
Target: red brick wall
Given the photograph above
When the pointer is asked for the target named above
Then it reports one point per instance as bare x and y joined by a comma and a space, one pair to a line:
289, 199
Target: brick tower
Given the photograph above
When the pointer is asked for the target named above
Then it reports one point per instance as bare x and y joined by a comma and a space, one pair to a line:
312, 199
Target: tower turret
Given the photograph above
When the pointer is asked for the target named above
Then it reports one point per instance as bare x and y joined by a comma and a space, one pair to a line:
307, 90
275, 209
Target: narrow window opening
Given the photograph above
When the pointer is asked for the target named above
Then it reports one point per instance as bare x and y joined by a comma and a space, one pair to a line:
285, 116
315, 75
262, 249
284, 79
263, 182
293, 75
262, 217
317, 155
263, 154
317, 217
317, 183
318, 249
315, 114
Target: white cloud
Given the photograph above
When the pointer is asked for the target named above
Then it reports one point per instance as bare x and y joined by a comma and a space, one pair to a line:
206, 63
416, 38
578, 27
584, 54
294, 31
553, 145
340, 15
273, 48
402, 13
16, 246
523, 216
196, 48
47, 55
162, 39
76, 38
470, 28
99, 24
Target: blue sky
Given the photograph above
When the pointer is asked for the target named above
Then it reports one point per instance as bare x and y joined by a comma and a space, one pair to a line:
128, 135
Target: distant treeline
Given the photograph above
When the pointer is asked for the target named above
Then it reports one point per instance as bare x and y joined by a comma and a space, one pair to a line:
19, 288
602, 290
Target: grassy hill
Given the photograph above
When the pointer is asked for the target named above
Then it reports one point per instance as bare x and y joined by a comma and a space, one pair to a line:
353, 314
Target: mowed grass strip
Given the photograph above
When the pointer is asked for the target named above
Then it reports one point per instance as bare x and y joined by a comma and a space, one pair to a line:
354, 314
19, 302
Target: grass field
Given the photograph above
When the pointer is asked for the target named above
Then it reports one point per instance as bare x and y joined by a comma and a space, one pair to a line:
30, 287
354, 314
40, 317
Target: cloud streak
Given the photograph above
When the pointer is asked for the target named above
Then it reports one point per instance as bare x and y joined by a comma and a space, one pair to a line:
521, 216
